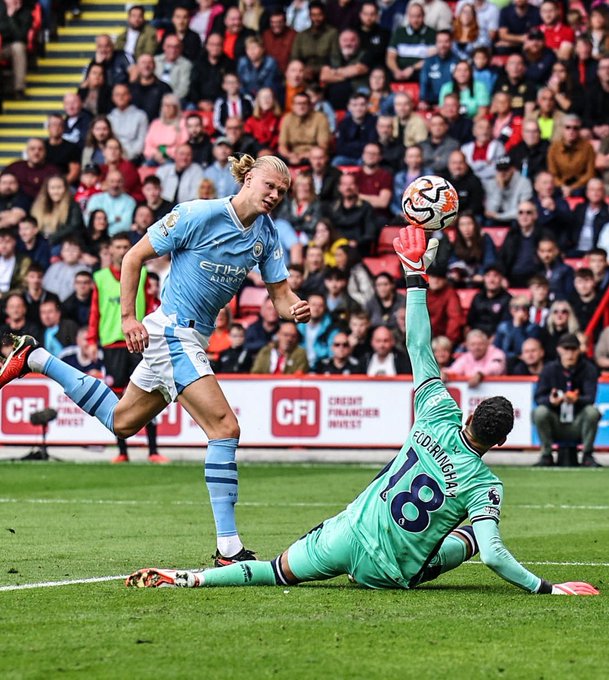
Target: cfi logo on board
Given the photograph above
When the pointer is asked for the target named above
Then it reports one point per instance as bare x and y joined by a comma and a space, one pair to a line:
295, 412
19, 402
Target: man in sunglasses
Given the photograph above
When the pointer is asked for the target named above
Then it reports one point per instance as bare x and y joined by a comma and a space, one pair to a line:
571, 159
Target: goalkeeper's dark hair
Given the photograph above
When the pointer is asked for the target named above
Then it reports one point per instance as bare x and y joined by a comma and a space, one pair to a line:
493, 420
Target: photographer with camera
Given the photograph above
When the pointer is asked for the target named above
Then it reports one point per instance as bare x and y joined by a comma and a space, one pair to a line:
565, 412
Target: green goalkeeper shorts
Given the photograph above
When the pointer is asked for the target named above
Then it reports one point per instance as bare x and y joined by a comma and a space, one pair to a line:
332, 549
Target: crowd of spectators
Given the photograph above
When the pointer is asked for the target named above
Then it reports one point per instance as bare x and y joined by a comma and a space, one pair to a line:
510, 104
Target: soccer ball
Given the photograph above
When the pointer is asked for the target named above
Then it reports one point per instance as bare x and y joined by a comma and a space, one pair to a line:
430, 202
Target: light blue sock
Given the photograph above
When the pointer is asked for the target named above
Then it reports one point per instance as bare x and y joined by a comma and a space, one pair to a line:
222, 483
92, 395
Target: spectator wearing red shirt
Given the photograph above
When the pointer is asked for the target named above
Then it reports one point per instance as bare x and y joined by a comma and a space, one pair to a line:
263, 124
279, 38
113, 160
235, 34
446, 315
375, 184
559, 37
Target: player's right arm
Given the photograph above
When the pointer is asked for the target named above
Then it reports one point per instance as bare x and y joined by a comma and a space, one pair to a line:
136, 335
416, 255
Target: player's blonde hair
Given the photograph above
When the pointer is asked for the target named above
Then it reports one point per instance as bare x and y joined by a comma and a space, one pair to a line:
241, 166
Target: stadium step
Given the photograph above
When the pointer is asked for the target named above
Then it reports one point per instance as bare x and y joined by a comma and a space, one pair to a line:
59, 71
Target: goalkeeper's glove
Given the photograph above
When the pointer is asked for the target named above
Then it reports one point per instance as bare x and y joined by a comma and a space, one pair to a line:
574, 588
415, 254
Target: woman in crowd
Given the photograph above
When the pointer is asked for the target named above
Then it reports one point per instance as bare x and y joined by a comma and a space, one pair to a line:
113, 160
361, 285
507, 127
471, 252
56, 212
467, 35
569, 96
380, 98
205, 19
302, 209
384, 305
598, 31
473, 95
99, 133
561, 320
165, 133
328, 240
263, 124
97, 232
95, 95
207, 190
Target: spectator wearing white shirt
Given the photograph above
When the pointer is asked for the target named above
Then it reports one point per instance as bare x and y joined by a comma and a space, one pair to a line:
129, 123
180, 180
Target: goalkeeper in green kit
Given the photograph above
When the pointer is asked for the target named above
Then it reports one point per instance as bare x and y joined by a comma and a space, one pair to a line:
406, 527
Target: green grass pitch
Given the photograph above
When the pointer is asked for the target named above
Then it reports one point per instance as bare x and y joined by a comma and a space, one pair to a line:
65, 522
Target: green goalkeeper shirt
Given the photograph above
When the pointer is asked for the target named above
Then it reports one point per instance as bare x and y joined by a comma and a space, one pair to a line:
436, 481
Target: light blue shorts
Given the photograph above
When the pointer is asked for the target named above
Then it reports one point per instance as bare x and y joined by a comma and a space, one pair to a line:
175, 357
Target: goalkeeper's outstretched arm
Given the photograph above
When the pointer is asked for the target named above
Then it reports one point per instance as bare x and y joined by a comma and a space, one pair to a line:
498, 558
416, 255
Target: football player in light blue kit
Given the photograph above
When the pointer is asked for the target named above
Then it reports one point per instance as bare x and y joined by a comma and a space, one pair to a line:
213, 245
404, 529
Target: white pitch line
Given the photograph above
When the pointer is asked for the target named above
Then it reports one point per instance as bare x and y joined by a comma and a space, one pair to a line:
104, 579
54, 584
261, 504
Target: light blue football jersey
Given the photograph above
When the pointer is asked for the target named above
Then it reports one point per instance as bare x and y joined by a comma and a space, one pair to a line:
211, 254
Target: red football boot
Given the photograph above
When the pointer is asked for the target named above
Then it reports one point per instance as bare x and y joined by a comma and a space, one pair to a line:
15, 365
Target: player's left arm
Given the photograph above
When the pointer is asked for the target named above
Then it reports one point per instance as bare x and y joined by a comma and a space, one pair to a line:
136, 335
484, 513
288, 305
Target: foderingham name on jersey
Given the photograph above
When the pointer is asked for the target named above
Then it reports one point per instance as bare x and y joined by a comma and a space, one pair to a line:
442, 459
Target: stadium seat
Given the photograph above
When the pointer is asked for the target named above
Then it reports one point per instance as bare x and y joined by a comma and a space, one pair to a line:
246, 321
385, 241
519, 291
251, 299
350, 169
497, 234
499, 60
576, 262
145, 171
340, 115
466, 295
411, 89
574, 200
384, 264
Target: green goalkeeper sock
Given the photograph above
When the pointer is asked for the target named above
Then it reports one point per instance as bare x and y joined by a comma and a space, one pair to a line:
248, 573
459, 546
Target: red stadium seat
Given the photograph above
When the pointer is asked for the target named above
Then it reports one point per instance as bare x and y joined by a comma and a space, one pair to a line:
384, 264
340, 115
499, 60
574, 200
497, 234
385, 242
466, 295
519, 291
411, 89
144, 171
350, 169
246, 321
576, 262
251, 300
